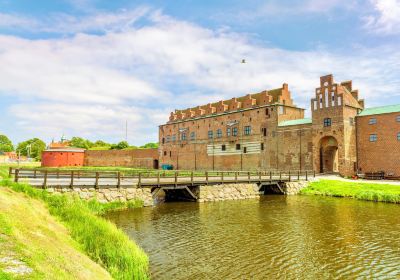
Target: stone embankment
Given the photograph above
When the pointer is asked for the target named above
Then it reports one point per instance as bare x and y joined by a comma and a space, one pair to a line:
109, 194
227, 192
291, 188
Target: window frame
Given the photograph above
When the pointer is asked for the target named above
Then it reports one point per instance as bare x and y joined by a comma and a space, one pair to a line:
327, 122
398, 118
247, 130
219, 133
210, 134
228, 131
373, 137
235, 131
372, 121
398, 136
192, 135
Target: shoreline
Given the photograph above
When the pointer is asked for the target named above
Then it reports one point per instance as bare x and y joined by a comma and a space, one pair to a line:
389, 193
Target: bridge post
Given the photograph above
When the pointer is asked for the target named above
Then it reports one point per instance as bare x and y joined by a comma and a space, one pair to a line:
191, 177
248, 175
158, 178
298, 175
58, 174
118, 179
280, 175
314, 173
206, 177
270, 177
176, 178
306, 176
97, 180
45, 179
16, 175
71, 185
10, 172
259, 176
236, 176
34, 174
289, 175
222, 176
140, 180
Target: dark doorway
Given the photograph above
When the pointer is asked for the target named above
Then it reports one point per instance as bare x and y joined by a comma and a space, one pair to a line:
155, 164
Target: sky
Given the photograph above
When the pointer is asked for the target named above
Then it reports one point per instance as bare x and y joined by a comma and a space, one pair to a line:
86, 67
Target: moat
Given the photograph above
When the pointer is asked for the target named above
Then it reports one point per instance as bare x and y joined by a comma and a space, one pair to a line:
293, 237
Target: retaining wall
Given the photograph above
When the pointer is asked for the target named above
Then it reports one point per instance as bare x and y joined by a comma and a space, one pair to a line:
104, 195
227, 192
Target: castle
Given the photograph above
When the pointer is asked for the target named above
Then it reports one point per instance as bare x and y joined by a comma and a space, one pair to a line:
267, 131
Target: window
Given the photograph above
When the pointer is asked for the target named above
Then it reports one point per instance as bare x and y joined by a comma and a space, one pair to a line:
247, 130
163, 140
373, 138
398, 118
165, 153
170, 153
228, 131
173, 138
210, 134
192, 135
219, 133
245, 150
235, 131
262, 147
327, 122
237, 146
223, 148
398, 136
167, 139
264, 131
339, 101
372, 121
281, 110
267, 112
183, 136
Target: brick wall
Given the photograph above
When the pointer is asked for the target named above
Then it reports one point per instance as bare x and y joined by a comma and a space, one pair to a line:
139, 158
384, 154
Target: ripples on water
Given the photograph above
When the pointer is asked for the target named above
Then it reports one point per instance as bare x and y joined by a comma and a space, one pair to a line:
295, 237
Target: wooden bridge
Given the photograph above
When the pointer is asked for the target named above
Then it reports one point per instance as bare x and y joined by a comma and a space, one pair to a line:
45, 178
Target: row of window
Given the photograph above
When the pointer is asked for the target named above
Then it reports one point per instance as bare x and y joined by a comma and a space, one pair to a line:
374, 121
374, 137
229, 131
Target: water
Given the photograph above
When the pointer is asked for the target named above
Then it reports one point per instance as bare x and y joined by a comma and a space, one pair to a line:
295, 237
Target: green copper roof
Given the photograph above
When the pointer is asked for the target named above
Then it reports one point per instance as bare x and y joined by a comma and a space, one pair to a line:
380, 110
295, 122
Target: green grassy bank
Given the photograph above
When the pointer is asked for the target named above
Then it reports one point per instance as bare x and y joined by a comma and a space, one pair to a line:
99, 239
357, 190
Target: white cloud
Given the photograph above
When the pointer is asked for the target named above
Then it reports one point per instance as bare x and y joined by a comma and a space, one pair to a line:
386, 19
90, 84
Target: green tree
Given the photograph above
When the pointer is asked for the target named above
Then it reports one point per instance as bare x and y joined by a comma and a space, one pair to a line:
5, 144
101, 143
79, 142
121, 145
149, 146
32, 147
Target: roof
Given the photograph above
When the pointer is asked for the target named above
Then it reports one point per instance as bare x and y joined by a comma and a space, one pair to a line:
72, 150
296, 122
380, 110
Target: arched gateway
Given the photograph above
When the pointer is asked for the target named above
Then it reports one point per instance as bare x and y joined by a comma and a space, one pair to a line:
328, 155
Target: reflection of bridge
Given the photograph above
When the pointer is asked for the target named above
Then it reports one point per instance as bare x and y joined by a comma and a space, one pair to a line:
154, 179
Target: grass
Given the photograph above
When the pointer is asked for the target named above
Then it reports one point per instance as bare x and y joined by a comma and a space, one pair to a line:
98, 238
357, 190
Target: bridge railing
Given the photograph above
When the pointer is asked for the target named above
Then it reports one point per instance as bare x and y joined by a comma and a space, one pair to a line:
156, 177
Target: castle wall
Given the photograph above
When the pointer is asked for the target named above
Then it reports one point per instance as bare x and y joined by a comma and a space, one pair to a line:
384, 154
138, 158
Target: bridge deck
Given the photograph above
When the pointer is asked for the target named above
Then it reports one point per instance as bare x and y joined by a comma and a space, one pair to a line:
83, 178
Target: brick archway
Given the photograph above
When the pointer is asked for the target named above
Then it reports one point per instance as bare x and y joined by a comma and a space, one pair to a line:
328, 155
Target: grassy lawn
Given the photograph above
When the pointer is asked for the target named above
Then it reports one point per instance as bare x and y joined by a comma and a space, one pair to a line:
362, 191
82, 229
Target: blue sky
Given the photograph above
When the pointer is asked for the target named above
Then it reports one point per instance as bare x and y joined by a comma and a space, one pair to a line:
84, 67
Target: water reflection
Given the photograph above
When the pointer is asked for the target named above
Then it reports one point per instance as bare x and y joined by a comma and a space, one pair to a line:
274, 237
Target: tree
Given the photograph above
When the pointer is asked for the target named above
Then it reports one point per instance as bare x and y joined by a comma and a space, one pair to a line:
6, 144
121, 145
150, 146
32, 147
79, 142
